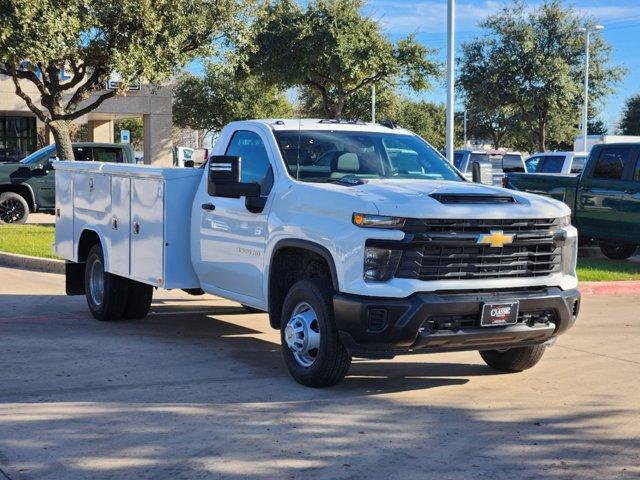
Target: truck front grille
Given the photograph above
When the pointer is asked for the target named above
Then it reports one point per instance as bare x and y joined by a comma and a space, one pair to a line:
448, 249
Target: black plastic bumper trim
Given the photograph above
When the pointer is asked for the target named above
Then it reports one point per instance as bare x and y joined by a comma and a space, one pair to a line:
404, 332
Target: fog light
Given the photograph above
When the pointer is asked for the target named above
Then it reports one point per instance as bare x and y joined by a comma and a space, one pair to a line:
380, 264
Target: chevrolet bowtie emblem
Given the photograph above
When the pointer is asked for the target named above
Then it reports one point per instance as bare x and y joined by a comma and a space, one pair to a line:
495, 239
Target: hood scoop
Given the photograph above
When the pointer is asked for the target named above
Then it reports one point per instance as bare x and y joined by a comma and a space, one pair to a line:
472, 198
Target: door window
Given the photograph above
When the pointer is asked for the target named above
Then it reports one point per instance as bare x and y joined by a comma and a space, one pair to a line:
106, 154
255, 164
551, 164
531, 164
611, 163
83, 154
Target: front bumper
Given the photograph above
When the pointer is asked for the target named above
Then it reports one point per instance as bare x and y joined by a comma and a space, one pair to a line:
374, 327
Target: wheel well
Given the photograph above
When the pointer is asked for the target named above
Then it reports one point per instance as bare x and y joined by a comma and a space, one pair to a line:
289, 265
22, 190
88, 239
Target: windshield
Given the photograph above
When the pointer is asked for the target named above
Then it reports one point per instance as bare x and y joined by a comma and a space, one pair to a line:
457, 160
328, 156
38, 154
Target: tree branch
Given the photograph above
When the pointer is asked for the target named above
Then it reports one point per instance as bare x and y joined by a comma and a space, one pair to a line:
92, 106
39, 113
84, 91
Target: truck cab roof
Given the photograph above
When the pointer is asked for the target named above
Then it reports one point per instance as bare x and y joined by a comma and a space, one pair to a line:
321, 124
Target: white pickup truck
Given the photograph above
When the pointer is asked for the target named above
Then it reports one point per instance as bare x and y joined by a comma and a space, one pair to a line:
357, 239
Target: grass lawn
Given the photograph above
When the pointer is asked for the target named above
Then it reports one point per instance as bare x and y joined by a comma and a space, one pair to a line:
601, 270
34, 240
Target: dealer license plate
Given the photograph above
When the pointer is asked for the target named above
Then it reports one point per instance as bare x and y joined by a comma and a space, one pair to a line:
499, 314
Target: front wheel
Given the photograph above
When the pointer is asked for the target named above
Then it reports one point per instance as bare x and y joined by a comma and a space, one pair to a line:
106, 293
513, 359
617, 251
311, 346
13, 208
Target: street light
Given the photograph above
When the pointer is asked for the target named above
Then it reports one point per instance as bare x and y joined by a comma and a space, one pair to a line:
451, 8
587, 32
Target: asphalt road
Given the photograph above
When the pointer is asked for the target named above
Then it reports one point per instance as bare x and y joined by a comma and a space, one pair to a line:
198, 390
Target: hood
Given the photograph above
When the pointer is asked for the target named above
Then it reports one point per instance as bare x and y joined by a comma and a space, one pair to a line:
415, 199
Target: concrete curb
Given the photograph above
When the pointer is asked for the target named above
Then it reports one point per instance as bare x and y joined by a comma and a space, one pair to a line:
625, 287
36, 264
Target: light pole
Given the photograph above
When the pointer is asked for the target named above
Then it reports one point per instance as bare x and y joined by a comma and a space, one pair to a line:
451, 8
587, 30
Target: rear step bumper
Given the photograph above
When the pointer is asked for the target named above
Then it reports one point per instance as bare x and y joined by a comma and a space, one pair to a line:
447, 321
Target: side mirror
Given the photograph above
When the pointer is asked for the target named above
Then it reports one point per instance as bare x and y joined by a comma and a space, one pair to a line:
224, 178
482, 173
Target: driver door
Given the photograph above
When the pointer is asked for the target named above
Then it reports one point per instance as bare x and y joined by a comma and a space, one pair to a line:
232, 238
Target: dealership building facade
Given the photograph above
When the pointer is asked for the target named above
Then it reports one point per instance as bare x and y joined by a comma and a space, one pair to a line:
19, 127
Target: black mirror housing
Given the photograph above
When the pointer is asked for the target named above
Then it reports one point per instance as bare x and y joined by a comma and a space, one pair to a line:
224, 173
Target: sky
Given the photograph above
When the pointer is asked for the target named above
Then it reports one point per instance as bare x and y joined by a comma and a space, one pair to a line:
428, 20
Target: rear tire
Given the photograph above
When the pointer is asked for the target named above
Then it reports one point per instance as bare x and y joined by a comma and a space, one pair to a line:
618, 251
514, 359
13, 208
106, 293
139, 296
307, 320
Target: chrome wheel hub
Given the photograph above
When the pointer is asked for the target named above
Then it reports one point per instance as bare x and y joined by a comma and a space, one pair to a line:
302, 334
96, 283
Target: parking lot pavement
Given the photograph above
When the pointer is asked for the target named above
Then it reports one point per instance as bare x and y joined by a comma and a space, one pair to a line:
199, 390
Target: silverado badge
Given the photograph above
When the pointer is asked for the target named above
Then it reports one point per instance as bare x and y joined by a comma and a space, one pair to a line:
495, 239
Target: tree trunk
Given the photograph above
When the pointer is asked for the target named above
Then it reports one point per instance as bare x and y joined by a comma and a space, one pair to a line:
60, 130
542, 137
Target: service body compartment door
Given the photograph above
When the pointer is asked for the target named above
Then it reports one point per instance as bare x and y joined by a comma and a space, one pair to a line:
64, 215
120, 226
147, 230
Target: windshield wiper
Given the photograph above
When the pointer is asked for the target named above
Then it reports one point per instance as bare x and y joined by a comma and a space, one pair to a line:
347, 180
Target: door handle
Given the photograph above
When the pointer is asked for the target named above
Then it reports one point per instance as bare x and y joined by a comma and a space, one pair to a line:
631, 192
584, 189
208, 206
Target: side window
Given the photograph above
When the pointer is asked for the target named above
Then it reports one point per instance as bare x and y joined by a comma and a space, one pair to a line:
611, 163
254, 159
552, 164
578, 164
82, 154
106, 154
531, 164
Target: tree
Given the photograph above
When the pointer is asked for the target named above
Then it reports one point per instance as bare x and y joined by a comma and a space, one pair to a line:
597, 127
224, 94
331, 47
530, 63
630, 123
68, 49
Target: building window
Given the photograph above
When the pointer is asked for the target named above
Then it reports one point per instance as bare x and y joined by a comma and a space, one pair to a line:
17, 137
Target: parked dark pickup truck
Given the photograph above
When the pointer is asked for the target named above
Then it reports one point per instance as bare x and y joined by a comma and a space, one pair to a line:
29, 186
604, 198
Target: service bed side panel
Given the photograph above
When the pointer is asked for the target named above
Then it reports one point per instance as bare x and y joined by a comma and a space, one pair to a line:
147, 230
63, 246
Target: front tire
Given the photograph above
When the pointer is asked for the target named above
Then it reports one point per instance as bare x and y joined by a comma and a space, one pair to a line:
514, 359
106, 293
618, 251
311, 346
13, 208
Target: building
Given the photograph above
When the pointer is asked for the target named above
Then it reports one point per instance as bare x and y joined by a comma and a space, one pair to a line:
19, 127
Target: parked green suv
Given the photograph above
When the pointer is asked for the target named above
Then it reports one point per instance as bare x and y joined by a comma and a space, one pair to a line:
29, 186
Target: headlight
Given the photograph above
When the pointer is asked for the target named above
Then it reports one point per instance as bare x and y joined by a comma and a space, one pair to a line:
564, 221
376, 221
380, 264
